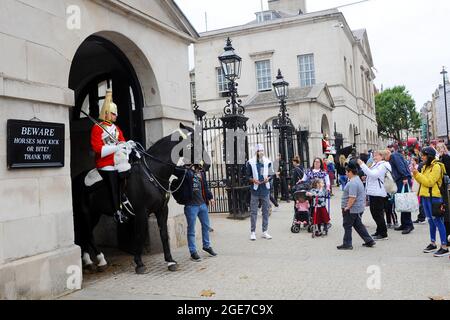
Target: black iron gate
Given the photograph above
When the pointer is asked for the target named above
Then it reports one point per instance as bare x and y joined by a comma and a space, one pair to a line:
214, 143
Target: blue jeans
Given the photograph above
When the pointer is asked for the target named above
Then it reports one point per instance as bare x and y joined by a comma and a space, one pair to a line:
434, 222
191, 213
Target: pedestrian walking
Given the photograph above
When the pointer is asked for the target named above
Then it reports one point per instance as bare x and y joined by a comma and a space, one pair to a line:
376, 191
403, 179
353, 205
259, 170
430, 180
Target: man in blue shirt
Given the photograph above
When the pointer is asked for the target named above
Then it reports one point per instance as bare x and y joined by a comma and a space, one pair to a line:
403, 178
259, 172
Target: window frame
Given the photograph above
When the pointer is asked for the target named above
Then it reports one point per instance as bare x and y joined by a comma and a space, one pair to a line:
265, 79
310, 74
223, 83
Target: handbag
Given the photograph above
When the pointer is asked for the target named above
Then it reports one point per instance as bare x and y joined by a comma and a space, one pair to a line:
439, 209
406, 201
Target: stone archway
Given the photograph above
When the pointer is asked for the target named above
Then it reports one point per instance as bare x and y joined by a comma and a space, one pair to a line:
109, 60
325, 126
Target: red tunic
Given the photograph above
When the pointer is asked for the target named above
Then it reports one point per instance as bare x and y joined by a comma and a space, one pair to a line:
99, 139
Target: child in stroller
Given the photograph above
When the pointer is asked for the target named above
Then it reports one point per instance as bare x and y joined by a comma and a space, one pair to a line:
302, 217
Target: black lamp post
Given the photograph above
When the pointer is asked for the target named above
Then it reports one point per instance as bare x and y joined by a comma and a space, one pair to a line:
234, 124
285, 127
444, 76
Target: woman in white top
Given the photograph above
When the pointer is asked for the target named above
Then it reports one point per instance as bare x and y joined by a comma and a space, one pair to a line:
376, 191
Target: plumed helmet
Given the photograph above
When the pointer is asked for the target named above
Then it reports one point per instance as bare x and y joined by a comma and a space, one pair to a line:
108, 106
428, 151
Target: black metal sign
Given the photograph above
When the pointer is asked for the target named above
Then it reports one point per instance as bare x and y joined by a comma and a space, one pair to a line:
34, 144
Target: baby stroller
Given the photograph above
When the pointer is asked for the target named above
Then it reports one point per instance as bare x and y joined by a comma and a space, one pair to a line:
302, 217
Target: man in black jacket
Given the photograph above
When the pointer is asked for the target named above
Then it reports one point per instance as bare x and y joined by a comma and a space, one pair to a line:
403, 179
196, 196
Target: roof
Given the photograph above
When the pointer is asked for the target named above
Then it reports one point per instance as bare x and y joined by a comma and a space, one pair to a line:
286, 18
295, 95
359, 34
278, 15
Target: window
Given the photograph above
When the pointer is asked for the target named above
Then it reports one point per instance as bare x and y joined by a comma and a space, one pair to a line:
264, 16
263, 75
222, 83
351, 79
307, 70
345, 70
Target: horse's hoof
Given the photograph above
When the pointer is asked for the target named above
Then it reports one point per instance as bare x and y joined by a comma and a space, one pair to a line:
142, 270
102, 268
173, 267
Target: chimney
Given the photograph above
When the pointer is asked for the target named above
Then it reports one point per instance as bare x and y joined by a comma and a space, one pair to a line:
288, 6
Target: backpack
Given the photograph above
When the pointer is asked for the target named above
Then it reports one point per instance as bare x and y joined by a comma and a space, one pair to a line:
389, 183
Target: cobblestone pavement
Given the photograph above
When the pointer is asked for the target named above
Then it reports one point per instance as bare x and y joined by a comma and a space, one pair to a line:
291, 266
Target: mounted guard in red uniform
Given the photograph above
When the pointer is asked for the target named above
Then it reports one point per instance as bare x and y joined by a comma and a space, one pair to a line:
111, 154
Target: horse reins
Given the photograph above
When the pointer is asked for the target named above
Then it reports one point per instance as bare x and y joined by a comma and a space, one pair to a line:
153, 178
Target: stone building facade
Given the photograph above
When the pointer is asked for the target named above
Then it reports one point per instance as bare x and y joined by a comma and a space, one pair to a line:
55, 60
313, 50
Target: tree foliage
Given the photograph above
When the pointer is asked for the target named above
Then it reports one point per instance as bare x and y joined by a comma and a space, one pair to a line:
396, 111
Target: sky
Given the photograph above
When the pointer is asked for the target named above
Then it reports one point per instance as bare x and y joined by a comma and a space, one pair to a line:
408, 38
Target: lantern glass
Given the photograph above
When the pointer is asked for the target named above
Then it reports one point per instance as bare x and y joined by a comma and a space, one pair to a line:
230, 63
281, 87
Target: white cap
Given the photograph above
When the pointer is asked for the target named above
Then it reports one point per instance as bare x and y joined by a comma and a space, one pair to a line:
259, 147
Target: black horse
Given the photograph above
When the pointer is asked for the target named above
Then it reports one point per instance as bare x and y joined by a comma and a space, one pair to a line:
147, 190
344, 151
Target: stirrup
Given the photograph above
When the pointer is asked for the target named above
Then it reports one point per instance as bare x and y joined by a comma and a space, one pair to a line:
128, 207
119, 217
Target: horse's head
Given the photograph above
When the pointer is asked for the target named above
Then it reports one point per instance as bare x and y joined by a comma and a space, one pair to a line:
192, 148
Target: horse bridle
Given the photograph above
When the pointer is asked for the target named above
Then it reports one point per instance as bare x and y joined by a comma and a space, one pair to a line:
153, 177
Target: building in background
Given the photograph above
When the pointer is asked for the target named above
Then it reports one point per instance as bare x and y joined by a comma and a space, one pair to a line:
438, 103
328, 65
428, 128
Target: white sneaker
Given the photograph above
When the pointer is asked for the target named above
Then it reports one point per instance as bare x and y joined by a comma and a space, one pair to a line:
253, 236
267, 236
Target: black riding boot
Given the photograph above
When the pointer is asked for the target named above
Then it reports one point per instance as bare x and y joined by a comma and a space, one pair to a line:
124, 202
111, 179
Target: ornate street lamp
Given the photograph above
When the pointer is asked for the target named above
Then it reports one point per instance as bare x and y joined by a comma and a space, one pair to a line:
285, 127
281, 88
230, 62
231, 68
234, 124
